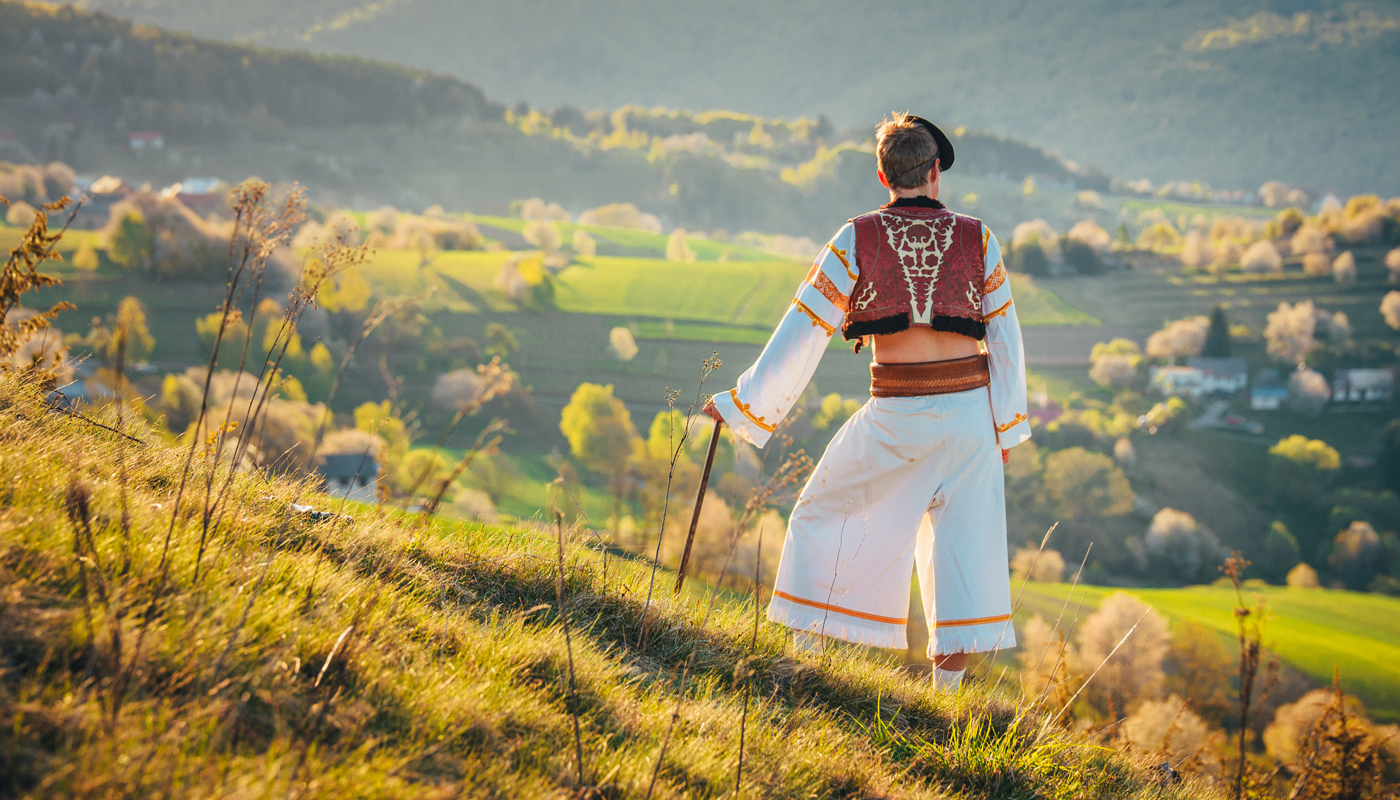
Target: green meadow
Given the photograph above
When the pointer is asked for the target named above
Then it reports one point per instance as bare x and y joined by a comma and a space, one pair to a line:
1312, 630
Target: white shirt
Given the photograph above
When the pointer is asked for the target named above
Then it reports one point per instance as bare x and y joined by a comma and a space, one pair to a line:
768, 390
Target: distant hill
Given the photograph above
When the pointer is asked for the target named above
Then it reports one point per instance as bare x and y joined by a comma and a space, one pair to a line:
75, 86
1295, 90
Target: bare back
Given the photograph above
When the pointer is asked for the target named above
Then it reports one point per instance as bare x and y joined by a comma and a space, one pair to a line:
917, 345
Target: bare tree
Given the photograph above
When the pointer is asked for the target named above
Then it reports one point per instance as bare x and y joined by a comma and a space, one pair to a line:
1134, 673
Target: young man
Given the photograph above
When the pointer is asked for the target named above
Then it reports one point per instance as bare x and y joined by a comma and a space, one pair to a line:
916, 474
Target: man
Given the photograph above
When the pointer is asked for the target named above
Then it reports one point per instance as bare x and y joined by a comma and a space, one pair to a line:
916, 474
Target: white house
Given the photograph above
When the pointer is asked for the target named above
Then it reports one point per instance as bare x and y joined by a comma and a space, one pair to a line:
1362, 385
1269, 391
1174, 380
1221, 375
351, 475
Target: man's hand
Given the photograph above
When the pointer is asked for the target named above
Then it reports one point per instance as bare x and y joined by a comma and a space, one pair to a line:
1005, 457
712, 412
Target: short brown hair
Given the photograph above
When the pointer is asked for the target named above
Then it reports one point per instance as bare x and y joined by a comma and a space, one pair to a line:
904, 151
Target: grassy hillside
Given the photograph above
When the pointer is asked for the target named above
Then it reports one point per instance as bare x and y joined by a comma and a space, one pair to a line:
1234, 95
386, 656
1311, 629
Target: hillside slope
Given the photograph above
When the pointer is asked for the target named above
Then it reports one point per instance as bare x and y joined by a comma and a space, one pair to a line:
1296, 90
382, 656
74, 85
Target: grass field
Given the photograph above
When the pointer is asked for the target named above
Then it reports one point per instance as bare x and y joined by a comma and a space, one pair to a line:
390, 656
1312, 630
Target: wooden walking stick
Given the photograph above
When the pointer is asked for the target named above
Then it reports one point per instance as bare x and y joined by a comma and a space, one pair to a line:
699, 500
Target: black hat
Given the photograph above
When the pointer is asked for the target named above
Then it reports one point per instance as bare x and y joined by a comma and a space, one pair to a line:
945, 147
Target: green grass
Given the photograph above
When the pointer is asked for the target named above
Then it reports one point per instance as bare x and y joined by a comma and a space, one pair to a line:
386, 656
1312, 630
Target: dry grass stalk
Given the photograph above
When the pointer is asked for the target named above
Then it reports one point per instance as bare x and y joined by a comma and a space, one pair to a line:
1016, 604
1250, 624
487, 444
568, 648
796, 467
1051, 720
1053, 685
332, 258
677, 446
753, 650
21, 275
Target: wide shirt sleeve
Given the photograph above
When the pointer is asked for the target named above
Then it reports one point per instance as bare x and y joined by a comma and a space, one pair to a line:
1006, 354
769, 389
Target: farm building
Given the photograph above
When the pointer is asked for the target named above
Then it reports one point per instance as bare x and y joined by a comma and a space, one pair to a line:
1269, 392
1362, 385
1221, 375
351, 475
1202, 377
145, 140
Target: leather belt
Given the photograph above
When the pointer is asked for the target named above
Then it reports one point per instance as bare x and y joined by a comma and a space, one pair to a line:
929, 377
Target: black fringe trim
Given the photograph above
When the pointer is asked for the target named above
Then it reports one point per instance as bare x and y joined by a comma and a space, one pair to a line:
975, 328
852, 330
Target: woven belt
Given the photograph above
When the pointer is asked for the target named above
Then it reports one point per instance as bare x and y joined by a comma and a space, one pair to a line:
929, 377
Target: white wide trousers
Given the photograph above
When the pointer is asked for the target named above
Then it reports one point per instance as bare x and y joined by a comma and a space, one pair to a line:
906, 479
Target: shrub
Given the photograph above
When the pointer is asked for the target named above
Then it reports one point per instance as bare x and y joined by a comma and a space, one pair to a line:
1044, 566
621, 344
584, 244
542, 234
677, 249
1039, 233
1290, 331
130, 245
1029, 259
21, 214
1354, 552
620, 215
1177, 547
1194, 250
1309, 452
1159, 237
1088, 232
1167, 728
1262, 256
1083, 485
1134, 673
1179, 339
158, 234
1115, 363
1344, 268
1308, 391
1302, 577
1390, 309
1082, 257
1311, 238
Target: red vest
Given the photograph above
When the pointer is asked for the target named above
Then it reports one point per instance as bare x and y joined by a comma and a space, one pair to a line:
918, 266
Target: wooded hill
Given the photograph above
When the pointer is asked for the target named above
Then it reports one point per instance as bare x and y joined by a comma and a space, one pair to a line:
362, 133
1294, 90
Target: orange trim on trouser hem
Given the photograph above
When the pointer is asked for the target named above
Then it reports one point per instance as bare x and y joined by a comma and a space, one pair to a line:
958, 623
840, 610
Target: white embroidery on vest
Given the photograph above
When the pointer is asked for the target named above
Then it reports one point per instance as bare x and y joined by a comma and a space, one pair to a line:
914, 240
867, 296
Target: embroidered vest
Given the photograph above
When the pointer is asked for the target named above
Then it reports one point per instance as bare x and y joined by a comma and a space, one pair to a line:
918, 266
